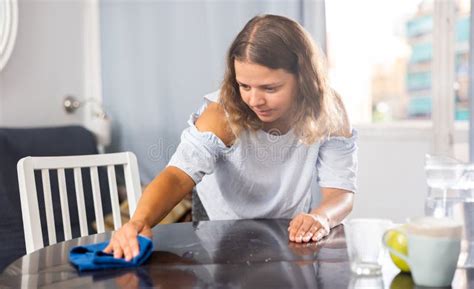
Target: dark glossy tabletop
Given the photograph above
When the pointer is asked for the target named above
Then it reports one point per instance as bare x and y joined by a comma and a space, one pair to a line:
212, 254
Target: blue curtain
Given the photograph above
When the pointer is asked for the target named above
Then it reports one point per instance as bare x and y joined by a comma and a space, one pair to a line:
160, 57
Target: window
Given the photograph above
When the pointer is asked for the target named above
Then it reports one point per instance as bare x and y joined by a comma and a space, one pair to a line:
380, 56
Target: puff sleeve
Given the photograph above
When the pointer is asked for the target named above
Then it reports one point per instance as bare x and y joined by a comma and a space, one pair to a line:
337, 163
198, 152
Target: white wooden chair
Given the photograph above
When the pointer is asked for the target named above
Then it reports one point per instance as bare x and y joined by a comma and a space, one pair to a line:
29, 200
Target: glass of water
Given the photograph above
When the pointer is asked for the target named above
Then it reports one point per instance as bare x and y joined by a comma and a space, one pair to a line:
443, 174
451, 194
364, 245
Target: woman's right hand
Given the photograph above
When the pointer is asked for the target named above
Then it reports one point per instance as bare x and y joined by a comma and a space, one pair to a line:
124, 242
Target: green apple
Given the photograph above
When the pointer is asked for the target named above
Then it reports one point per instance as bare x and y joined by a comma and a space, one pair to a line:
396, 240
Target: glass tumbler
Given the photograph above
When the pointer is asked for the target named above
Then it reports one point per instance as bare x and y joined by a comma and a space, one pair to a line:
364, 245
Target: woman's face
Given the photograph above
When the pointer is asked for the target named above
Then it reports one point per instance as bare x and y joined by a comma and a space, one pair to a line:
270, 93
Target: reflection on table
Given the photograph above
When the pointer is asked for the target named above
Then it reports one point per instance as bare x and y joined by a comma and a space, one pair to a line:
217, 254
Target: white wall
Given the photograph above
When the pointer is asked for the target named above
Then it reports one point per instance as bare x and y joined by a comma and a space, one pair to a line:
46, 64
391, 180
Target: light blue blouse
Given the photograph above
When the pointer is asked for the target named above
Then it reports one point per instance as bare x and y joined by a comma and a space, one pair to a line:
262, 175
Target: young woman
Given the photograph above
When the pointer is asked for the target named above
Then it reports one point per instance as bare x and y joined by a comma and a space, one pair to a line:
273, 142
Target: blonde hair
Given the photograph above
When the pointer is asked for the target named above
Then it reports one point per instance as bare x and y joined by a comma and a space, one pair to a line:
281, 43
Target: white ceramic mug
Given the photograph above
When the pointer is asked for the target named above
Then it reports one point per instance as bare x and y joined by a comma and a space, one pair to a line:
433, 249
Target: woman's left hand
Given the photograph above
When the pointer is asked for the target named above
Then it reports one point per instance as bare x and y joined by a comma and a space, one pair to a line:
306, 227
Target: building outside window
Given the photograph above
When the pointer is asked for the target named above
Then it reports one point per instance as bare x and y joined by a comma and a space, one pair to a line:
380, 56
419, 32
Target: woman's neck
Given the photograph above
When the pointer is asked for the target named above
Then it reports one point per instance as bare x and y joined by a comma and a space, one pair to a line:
277, 127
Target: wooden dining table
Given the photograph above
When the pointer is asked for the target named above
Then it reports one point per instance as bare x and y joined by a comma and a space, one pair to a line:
214, 254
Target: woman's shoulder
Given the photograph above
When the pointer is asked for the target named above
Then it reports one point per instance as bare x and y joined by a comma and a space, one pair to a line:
213, 119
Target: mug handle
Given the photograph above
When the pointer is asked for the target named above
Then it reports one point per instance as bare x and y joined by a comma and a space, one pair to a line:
396, 253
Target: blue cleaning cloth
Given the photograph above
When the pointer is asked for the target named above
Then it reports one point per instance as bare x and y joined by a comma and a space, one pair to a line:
91, 257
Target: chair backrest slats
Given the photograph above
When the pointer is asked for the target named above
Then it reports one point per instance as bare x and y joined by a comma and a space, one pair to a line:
99, 215
48, 206
114, 197
81, 206
64, 204
29, 199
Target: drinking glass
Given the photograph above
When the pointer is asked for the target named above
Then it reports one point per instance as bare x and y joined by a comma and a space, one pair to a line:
364, 245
